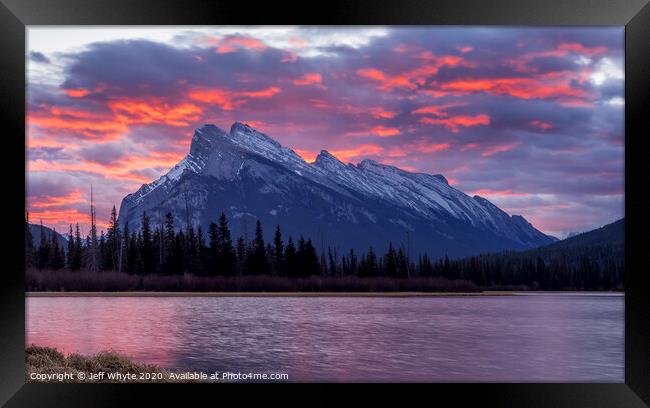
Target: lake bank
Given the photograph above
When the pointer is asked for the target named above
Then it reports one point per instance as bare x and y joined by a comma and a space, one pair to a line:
266, 294
49, 365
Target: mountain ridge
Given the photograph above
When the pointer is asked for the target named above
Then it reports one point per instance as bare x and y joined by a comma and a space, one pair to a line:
249, 175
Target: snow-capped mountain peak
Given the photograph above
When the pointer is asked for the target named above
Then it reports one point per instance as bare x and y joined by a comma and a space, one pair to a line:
243, 169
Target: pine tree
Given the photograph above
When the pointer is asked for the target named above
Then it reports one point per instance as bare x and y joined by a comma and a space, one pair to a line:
43, 253
145, 245
124, 249
290, 259
225, 252
78, 256
310, 265
260, 264
241, 256
29, 243
191, 252
113, 240
402, 264
178, 254
170, 251
202, 251
57, 260
71, 250
213, 249
278, 253
390, 262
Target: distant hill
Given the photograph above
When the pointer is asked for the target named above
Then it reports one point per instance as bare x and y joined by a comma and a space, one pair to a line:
601, 246
611, 234
593, 260
35, 229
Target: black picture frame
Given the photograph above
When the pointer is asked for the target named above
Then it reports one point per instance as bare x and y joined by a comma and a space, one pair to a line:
15, 15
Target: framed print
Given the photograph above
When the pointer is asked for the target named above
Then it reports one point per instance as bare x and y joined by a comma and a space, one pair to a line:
441, 194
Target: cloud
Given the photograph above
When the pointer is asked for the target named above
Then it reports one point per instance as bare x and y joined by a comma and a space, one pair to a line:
38, 57
469, 103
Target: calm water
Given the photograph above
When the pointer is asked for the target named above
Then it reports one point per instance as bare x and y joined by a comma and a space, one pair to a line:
549, 337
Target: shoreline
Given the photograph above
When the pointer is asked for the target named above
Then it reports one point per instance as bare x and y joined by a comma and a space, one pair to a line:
314, 294
267, 294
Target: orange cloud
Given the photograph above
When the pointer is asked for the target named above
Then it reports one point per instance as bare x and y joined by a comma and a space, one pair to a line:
432, 147
264, 93
454, 123
381, 113
347, 155
77, 93
60, 219
312, 78
231, 44
413, 78
492, 150
498, 193
541, 125
386, 82
307, 155
153, 111
437, 110
562, 50
524, 88
81, 92
48, 201
383, 131
581, 49
106, 129
227, 99
376, 112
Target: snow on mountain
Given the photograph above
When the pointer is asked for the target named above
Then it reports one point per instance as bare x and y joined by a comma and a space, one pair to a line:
250, 175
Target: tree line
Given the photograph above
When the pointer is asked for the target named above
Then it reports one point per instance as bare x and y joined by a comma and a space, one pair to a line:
168, 250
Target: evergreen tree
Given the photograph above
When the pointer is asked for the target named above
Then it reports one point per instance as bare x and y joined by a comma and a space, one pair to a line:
113, 240
170, 251
390, 262
57, 258
124, 248
213, 250
278, 253
71, 250
225, 252
29, 243
78, 256
178, 254
311, 265
202, 251
241, 256
145, 245
43, 253
260, 262
402, 264
290, 259
191, 252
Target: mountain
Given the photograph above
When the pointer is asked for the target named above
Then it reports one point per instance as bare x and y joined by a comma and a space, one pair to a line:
35, 229
611, 235
250, 176
593, 260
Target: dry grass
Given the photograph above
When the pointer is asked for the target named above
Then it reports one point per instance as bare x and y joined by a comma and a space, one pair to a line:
66, 281
46, 360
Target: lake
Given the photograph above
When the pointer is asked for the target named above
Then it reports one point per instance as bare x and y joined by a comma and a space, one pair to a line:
568, 337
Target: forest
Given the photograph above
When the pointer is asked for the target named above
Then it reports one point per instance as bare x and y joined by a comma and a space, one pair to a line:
168, 251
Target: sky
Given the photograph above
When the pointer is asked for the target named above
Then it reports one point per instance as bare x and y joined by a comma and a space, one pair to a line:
529, 118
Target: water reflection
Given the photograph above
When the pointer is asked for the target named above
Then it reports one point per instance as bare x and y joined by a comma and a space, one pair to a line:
566, 337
